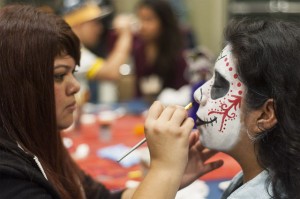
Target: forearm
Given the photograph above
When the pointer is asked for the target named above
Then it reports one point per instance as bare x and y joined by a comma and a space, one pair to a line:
159, 184
118, 56
128, 193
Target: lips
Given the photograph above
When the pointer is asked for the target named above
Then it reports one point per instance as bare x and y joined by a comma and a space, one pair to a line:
71, 106
200, 122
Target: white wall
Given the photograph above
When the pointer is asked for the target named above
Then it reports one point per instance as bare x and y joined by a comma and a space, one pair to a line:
208, 18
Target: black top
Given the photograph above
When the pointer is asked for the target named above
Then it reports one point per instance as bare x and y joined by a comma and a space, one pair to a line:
21, 178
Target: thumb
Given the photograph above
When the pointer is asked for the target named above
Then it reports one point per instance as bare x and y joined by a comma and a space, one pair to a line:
193, 139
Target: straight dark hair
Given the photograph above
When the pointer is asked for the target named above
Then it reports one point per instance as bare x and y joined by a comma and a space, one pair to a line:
29, 42
170, 41
268, 63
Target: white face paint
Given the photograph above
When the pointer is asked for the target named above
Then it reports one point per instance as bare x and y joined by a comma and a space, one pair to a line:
220, 101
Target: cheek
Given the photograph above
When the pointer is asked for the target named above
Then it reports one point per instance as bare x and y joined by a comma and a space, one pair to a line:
58, 98
226, 110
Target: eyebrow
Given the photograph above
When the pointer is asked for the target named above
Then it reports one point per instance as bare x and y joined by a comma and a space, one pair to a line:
63, 66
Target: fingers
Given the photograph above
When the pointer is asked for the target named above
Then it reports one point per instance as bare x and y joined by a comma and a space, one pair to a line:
205, 153
179, 115
193, 139
188, 125
204, 169
208, 154
211, 166
199, 146
167, 131
168, 113
155, 110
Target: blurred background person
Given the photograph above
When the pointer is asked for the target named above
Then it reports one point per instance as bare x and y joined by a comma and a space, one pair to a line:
157, 50
84, 20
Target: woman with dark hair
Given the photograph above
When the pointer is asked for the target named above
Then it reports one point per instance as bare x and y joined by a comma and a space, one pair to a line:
250, 108
38, 55
158, 49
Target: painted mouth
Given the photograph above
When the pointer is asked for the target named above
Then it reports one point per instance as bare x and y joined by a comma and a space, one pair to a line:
200, 122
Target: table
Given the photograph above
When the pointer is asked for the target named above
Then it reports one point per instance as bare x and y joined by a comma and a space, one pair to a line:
115, 176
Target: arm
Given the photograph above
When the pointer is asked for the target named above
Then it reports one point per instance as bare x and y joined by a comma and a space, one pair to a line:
15, 188
170, 148
120, 52
167, 131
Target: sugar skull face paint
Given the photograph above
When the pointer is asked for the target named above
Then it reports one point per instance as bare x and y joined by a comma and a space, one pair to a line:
220, 101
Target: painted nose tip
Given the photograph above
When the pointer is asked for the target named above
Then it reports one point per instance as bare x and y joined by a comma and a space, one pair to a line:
200, 97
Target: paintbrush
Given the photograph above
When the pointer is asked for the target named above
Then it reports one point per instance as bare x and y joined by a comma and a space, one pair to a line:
187, 107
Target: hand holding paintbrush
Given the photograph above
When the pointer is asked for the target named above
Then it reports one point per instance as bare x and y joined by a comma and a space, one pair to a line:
144, 140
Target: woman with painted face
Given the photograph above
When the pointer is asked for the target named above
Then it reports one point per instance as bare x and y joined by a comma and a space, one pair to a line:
250, 108
38, 56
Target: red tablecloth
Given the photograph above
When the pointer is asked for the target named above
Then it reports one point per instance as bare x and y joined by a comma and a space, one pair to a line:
111, 173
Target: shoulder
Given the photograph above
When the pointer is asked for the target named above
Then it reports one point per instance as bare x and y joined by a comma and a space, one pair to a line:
20, 178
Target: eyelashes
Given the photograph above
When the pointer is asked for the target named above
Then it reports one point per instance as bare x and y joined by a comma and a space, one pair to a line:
59, 77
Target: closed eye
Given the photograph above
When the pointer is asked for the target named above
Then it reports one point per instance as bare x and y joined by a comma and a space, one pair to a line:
220, 87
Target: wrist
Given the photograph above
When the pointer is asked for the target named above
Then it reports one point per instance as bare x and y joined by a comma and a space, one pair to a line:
174, 170
170, 163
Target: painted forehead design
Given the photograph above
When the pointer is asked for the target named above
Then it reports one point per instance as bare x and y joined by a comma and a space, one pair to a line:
231, 102
224, 63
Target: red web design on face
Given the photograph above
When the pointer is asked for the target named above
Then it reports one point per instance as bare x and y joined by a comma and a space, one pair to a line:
233, 103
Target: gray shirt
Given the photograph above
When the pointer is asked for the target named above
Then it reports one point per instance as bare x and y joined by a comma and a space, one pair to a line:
253, 189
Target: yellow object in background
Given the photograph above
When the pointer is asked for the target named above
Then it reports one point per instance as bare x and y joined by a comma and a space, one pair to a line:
139, 129
83, 14
95, 68
135, 174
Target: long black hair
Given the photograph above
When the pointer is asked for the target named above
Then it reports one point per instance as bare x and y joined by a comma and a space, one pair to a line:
268, 63
170, 42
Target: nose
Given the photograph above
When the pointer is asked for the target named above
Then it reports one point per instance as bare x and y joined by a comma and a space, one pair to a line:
200, 97
74, 86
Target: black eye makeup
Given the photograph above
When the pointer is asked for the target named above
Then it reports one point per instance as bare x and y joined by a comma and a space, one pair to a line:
220, 87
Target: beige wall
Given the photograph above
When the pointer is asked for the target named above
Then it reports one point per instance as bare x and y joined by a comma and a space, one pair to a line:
207, 17
125, 6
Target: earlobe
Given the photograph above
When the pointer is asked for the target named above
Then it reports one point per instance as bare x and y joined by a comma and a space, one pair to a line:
267, 119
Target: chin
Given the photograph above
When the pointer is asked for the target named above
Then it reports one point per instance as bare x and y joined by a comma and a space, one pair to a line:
213, 141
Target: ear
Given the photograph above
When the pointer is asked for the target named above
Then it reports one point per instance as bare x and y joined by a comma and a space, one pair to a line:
266, 119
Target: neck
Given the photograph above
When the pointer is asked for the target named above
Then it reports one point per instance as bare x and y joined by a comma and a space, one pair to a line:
248, 161
151, 53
